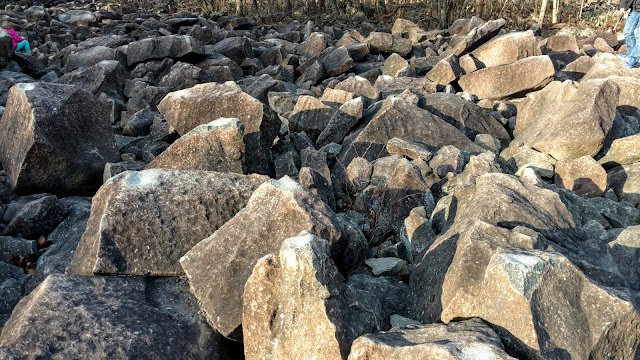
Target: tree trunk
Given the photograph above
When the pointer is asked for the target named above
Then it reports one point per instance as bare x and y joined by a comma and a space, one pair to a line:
543, 8
554, 16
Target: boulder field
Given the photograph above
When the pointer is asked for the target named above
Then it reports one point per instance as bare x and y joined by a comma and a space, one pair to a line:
182, 187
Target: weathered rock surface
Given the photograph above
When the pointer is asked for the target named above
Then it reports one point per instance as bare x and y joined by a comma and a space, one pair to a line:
515, 79
216, 146
507, 49
582, 175
55, 138
174, 210
586, 109
296, 302
173, 46
201, 104
105, 317
456, 341
276, 211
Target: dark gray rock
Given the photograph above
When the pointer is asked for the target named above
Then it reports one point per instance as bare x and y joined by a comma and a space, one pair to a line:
235, 48
94, 55
37, 217
173, 46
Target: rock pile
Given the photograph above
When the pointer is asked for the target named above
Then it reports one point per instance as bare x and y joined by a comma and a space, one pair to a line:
214, 188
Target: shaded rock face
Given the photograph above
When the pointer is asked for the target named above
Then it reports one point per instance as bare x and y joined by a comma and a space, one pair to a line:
56, 139
216, 146
126, 317
179, 209
174, 46
277, 210
296, 302
456, 341
201, 104
568, 120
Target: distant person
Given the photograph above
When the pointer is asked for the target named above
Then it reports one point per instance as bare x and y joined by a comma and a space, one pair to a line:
18, 42
631, 31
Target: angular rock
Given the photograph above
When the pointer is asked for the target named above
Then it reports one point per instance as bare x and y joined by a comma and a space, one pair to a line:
410, 149
448, 159
358, 174
235, 48
203, 103
387, 43
341, 122
94, 55
312, 46
6, 48
15, 246
618, 214
586, 109
338, 61
35, 146
313, 72
625, 182
311, 116
392, 86
139, 124
277, 210
583, 175
175, 209
173, 46
110, 309
388, 266
417, 233
106, 77
297, 299
507, 49
466, 116
445, 71
77, 17
359, 86
479, 35
628, 102
456, 341
623, 151
36, 218
559, 43
514, 79
183, 75
394, 64
401, 119
216, 146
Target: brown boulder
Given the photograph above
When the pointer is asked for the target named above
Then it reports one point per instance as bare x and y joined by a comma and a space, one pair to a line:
583, 175
507, 49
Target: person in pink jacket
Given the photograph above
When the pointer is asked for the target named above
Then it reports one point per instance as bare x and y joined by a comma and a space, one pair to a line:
18, 42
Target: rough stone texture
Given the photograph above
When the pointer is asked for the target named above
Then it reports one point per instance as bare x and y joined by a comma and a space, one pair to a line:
11, 246
91, 56
625, 250
72, 316
55, 138
296, 302
559, 43
394, 64
417, 233
623, 151
338, 61
391, 86
341, 122
507, 49
479, 35
625, 182
468, 339
478, 267
583, 175
410, 149
173, 211
359, 86
173, 46
277, 210
387, 43
629, 100
401, 119
201, 104
77, 17
445, 71
37, 217
312, 46
106, 77
466, 116
311, 116
216, 146
235, 48
568, 120
514, 79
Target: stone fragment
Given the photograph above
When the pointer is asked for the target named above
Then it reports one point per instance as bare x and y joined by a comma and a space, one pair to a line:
174, 209
387, 43
388, 266
468, 339
559, 43
445, 71
359, 86
313, 46
77, 17
417, 233
277, 210
410, 149
56, 318
296, 302
478, 36
311, 116
512, 80
235, 48
38, 217
583, 175
394, 64
341, 122
586, 109
35, 149
216, 146
338, 61
392, 86
628, 102
11, 246
91, 56
203, 103
625, 182
623, 151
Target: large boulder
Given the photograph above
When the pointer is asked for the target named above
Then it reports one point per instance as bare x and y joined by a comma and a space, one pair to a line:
77, 17
311, 116
235, 48
277, 210
466, 116
400, 118
55, 138
216, 146
513, 255
106, 77
512, 80
203, 103
174, 210
507, 49
73, 317
568, 120
94, 55
298, 300
455, 341
478, 36
6, 48
173, 46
